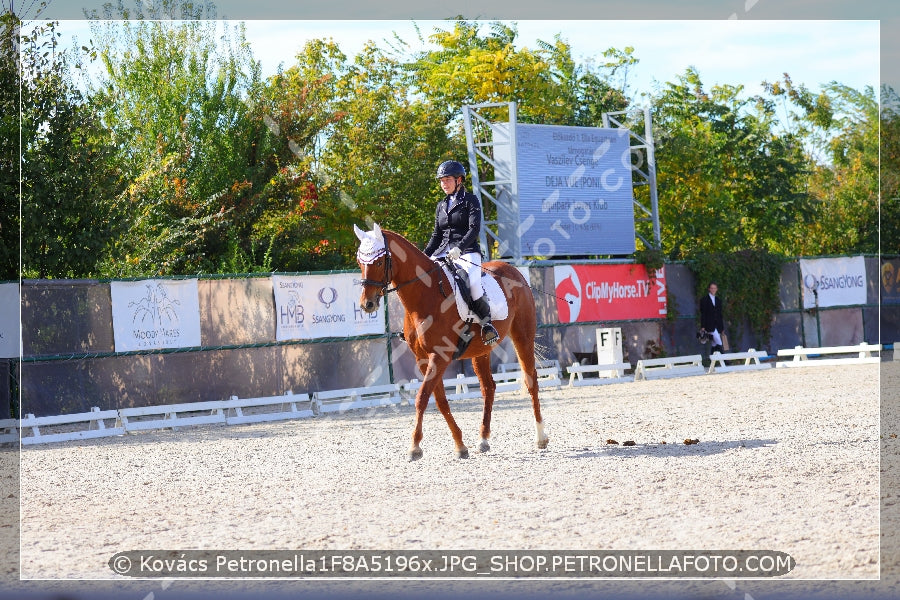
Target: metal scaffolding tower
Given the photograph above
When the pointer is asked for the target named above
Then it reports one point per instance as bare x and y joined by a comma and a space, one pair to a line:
493, 169
643, 167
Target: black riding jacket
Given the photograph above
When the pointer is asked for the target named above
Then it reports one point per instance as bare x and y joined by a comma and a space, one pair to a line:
456, 226
711, 316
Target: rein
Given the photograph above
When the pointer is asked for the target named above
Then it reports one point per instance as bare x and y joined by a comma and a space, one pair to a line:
546, 293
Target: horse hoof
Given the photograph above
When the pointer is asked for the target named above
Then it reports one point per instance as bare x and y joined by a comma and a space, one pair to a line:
464, 453
542, 444
484, 446
415, 454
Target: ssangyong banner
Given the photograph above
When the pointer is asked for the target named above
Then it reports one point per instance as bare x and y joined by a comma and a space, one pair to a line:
155, 314
320, 306
836, 281
609, 293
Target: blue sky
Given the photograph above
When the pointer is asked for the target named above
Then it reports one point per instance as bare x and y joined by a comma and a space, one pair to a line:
733, 52
723, 51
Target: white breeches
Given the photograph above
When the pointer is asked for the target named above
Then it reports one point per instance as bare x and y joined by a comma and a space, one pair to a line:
471, 264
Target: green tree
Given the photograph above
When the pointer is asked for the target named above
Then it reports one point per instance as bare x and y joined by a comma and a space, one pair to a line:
890, 171
292, 218
469, 67
727, 179
67, 176
840, 126
178, 99
582, 88
383, 154
360, 145
9, 147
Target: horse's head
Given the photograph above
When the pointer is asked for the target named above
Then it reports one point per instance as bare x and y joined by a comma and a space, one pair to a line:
374, 261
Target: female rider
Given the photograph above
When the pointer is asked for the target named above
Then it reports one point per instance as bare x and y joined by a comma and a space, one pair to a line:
457, 225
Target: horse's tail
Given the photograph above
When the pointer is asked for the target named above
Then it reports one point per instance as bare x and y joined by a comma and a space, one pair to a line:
541, 351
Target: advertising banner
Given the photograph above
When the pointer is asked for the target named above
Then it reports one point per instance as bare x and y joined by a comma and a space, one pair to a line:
321, 306
890, 281
155, 314
835, 281
9, 320
609, 293
574, 190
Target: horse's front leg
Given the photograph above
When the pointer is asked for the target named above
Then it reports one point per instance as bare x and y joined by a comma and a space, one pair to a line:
422, 396
440, 399
433, 369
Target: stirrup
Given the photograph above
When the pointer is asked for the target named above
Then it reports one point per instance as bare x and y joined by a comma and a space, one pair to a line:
489, 335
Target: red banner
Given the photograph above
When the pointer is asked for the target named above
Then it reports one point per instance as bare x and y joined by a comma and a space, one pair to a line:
609, 293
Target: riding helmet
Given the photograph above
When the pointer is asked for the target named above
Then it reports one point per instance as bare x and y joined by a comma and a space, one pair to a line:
451, 168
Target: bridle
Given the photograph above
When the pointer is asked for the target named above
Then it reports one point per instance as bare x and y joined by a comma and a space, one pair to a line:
389, 272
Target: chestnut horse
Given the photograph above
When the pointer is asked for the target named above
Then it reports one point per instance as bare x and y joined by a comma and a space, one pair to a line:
389, 262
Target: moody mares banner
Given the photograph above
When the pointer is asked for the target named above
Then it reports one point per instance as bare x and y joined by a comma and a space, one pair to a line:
320, 306
155, 314
836, 281
609, 293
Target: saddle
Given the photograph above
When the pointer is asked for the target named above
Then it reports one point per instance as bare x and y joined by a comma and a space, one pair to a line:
459, 282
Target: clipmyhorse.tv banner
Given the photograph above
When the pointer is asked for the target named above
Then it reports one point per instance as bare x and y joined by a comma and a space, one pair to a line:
321, 306
836, 281
609, 293
155, 314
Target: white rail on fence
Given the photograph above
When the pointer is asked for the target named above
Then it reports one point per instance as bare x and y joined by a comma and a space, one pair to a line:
811, 357
670, 366
718, 364
576, 374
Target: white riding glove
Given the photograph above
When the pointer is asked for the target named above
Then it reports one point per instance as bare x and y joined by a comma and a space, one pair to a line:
454, 253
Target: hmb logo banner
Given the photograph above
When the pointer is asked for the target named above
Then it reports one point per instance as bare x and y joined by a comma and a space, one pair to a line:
833, 281
321, 306
9, 320
609, 293
155, 314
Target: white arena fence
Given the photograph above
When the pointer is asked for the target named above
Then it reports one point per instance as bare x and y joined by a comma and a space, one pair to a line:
72, 361
98, 423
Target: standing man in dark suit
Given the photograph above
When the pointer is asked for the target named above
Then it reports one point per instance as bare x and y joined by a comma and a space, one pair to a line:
711, 317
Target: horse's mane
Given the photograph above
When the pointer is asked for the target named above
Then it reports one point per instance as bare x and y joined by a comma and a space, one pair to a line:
407, 245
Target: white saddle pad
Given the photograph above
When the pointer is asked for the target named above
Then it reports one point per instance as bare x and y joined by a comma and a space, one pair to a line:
495, 297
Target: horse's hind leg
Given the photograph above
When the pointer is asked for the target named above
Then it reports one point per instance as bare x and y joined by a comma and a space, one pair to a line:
482, 366
524, 345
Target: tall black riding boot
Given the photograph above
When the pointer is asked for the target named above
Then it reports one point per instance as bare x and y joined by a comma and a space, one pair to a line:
489, 334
